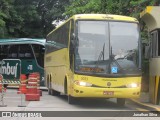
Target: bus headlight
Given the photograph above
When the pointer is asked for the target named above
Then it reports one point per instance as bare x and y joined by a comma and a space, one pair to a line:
132, 85
82, 83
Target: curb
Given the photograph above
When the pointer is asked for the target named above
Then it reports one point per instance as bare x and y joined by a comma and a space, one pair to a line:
146, 106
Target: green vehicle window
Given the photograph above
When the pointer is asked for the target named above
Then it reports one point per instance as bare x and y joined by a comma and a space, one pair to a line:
25, 52
39, 54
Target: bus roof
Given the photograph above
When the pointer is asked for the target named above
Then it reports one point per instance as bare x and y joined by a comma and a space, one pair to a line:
22, 41
104, 17
99, 17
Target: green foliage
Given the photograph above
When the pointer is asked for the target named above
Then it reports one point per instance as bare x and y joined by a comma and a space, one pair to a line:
124, 7
2, 23
29, 18
120, 7
96, 6
83, 6
4, 8
33, 18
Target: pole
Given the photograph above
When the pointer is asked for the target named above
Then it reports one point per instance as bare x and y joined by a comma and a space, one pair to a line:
21, 105
2, 97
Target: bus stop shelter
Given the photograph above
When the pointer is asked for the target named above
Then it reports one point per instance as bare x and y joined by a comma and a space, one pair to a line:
151, 17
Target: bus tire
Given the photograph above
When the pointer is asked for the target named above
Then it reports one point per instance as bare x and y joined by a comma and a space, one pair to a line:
71, 100
49, 88
55, 93
49, 91
65, 87
121, 101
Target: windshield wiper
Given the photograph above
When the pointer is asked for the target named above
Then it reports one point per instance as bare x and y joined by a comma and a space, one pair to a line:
101, 53
100, 56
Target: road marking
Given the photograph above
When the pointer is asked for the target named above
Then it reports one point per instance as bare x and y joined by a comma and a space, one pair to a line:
150, 106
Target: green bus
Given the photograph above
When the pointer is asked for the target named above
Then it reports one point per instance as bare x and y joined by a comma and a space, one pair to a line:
30, 53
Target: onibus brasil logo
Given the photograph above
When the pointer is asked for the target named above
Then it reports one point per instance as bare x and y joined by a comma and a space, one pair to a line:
11, 68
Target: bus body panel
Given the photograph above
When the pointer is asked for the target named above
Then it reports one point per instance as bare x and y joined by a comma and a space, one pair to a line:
30, 66
117, 87
56, 67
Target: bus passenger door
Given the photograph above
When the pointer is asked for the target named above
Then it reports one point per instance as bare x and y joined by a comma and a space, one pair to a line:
38, 51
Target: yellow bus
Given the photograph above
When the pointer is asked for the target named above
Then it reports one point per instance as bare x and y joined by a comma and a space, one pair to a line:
94, 56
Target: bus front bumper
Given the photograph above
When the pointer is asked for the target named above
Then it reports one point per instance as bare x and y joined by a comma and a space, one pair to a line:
95, 92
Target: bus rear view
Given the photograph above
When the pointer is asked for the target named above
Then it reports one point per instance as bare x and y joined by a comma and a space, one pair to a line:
29, 53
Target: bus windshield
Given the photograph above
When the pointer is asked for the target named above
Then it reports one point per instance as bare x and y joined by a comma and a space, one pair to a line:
104, 47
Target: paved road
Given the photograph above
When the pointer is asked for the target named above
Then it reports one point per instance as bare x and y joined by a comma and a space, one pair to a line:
87, 108
59, 103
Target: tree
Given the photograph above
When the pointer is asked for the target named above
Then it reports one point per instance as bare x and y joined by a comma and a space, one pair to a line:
4, 8
94, 6
33, 18
82, 6
120, 7
50, 10
29, 18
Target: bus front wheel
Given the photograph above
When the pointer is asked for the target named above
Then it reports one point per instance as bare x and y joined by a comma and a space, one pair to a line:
71, 100
49, 88
121, 101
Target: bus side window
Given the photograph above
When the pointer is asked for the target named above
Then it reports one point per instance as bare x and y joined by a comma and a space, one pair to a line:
39, 54
25, 52
13, 51
14, 55
21, 55
3, 52
28, 55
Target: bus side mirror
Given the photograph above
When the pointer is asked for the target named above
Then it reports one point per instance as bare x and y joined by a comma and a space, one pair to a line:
72, 36
72, 46
72, 43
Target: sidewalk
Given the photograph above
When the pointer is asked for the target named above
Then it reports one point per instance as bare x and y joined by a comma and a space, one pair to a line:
144, 101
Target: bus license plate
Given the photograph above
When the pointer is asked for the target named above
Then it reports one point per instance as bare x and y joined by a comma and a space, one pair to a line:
108, 92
